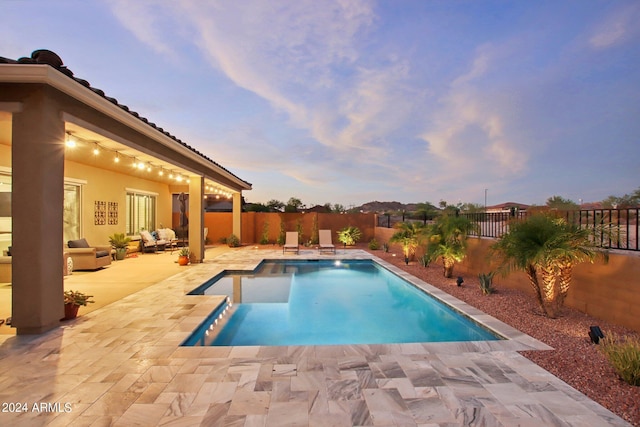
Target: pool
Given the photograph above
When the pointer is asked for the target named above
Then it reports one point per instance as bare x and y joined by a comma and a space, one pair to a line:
326, 302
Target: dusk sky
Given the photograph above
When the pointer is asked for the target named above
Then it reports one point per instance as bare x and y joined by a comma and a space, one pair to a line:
351, 101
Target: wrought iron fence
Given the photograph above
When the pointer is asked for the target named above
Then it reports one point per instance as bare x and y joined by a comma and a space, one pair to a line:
612, 228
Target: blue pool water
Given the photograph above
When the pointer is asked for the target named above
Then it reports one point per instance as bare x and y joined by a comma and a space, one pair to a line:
327, 302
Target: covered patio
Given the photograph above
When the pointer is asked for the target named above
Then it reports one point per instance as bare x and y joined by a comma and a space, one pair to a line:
62, 139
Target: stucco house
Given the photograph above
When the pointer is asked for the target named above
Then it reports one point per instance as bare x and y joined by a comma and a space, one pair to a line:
75, 163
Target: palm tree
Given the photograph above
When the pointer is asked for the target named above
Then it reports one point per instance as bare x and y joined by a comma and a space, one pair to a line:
546, 248
408, 236
447, 239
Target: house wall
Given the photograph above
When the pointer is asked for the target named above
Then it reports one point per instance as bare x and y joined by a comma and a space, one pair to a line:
108, 186
608, 291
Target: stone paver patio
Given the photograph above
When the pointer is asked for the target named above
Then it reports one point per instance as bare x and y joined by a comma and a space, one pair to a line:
123, 365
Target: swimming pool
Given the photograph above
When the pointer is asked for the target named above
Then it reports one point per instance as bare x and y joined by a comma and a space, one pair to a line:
326, 302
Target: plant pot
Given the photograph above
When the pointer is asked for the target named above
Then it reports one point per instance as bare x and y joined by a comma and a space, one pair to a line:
70, 311
121, 253
183, 260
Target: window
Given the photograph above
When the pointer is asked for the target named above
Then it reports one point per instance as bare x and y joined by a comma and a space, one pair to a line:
141, 211
71, 215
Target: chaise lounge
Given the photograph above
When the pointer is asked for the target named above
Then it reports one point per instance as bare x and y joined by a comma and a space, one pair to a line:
325, 241
291, 242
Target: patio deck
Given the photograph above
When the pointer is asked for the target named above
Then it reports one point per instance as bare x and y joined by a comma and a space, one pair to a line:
122, 364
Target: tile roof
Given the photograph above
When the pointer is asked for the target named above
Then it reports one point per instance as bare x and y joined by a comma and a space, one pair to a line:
47, 57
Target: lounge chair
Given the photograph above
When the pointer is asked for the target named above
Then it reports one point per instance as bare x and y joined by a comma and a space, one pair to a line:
325, 241
291, 243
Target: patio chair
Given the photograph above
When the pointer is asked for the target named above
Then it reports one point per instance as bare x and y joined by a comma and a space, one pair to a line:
87, 257
325, 241
291, 242
148, 243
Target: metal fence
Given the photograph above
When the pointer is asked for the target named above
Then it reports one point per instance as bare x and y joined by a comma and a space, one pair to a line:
613, 228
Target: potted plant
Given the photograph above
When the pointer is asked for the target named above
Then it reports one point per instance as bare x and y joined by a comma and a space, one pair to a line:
120, 242
72, 302
183, 256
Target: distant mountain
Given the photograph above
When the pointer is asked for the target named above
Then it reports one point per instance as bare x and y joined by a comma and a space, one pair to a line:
381, 207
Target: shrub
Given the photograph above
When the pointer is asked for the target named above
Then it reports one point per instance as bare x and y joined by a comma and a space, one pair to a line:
349, 235
374, 245
385, 247
485, 283
624, 356
233, 241
282, 234
265, 233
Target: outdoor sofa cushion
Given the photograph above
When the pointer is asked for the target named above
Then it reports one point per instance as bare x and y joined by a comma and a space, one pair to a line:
82, 243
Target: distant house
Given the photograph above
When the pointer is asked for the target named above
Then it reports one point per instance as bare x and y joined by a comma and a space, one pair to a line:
318, 209
507, 207
218, 206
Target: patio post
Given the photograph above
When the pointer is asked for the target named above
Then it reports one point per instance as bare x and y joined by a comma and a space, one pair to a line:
237, 215
196, 217
38, 145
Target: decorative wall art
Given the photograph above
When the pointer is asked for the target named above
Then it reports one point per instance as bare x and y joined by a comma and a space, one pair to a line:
113, 213
100, 213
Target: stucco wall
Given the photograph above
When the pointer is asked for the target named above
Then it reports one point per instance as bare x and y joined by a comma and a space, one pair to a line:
609, 291
103, 185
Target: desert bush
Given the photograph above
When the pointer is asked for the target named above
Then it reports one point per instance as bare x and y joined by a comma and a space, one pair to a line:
624, 356
374, 245
233, 241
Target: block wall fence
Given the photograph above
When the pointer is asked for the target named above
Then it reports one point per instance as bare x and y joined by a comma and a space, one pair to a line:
608, 291
219, 225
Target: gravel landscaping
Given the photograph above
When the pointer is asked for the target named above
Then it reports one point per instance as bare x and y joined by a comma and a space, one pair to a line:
575, 359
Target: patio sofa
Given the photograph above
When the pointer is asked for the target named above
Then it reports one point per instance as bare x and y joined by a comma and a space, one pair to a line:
87, 257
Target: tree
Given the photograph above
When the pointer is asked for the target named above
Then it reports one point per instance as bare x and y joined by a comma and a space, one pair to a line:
627, 201
275, 205
408, 236
472, 208
560, 203
256, 207
447, 240
338, 208
293, 205
426, 211
546, 248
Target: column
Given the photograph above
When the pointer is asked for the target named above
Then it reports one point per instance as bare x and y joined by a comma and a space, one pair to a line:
196, 217
38, 143
237, 215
